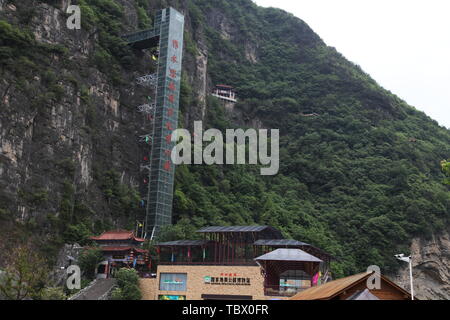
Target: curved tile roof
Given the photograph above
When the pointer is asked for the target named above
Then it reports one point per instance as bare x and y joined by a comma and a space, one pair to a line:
117, 235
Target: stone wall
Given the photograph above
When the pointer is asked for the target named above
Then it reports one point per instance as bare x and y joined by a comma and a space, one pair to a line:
148, 288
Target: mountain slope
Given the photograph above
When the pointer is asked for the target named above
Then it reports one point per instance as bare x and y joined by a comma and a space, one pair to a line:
359, 179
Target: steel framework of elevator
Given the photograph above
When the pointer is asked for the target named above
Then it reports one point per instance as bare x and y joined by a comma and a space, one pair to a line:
162, 111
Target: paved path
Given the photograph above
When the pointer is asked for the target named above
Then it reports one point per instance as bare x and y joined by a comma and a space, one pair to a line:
100, 287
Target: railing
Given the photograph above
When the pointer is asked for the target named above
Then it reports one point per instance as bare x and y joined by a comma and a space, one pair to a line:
209, 263
141, 35
280, 291
146, 275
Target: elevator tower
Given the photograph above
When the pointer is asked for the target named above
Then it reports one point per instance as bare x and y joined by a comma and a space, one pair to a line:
167, 36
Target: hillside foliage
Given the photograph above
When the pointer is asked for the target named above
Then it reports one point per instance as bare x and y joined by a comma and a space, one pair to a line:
360, 178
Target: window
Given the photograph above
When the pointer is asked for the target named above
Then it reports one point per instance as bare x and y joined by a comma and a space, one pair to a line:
172, 281
165, 297
294, 279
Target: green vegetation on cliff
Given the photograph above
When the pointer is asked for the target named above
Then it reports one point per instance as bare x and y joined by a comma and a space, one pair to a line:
359, 178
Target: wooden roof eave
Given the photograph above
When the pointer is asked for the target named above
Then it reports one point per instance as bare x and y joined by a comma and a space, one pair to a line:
347, 288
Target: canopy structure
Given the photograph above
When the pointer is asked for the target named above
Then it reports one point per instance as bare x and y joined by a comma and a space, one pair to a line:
280, 242
294, 255
288, 270
183, 243
262, 232
122, 249
233, 229
272, 244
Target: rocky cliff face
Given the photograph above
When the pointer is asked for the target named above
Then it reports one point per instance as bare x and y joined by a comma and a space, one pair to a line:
65, 123
35, 141
431, 268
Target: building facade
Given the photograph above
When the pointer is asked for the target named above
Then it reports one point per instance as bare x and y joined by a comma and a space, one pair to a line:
235, 263
205, 283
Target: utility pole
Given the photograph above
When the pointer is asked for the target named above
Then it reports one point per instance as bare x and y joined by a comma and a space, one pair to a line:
411, 278
402, 257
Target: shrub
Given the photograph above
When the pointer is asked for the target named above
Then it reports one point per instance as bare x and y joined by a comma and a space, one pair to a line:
131, 292
128, 289
127, 276
88, 262
53, 294
116, 294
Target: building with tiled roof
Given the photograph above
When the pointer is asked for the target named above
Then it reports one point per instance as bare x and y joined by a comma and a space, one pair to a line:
121, 248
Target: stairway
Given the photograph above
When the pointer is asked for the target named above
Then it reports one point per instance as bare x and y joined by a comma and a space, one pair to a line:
96, 291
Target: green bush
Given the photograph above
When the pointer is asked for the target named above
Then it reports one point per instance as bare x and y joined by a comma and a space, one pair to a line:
116, 294
126, 276
128, 285
53, 294
131, 292
88, 261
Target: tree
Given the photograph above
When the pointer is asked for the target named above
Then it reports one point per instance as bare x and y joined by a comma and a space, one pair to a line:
127, 276
25, 276
88, 261
446, 169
